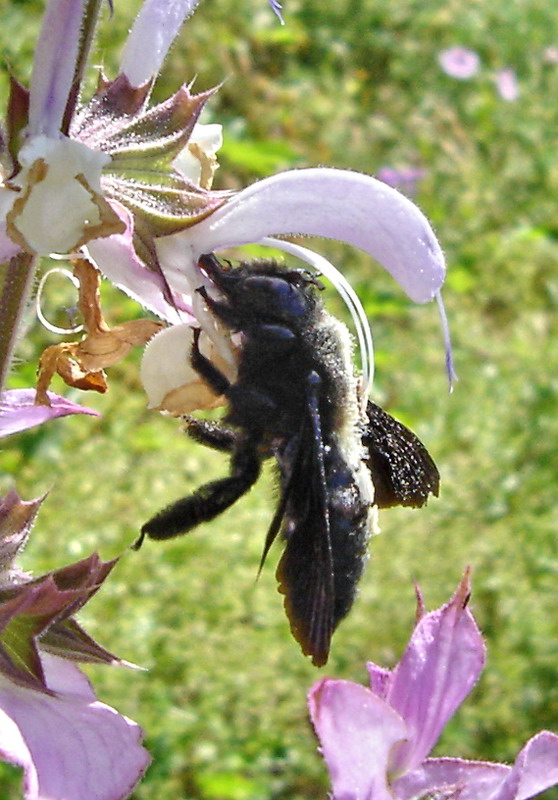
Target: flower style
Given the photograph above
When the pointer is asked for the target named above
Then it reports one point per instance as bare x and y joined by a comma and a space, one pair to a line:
70, 745
376, 741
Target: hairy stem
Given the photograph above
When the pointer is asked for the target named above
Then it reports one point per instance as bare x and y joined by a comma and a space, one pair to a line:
16, 278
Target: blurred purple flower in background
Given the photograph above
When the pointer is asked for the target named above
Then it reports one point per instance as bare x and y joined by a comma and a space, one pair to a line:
459, 62
550, 55
507, 85
404, 179
376, 741
277, 9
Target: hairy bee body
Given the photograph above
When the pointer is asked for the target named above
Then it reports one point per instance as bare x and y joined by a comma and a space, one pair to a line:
326, 522
295, 398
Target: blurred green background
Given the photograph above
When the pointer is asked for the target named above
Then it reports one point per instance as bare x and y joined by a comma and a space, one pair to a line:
354, 84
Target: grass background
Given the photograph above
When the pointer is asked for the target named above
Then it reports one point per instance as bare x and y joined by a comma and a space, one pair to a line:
353, 84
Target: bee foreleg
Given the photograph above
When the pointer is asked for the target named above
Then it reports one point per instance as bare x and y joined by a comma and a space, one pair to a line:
208, 371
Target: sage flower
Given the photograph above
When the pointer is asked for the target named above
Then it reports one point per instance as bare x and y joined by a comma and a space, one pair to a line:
69, 745
129, 186
376, 740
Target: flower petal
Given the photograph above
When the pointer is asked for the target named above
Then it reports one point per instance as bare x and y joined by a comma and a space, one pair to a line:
60, 206
441, 664
337, 204
198, 161
71, 746
357, 732
116, 258
153, 32
277, 7
54, 65
535, 769
18, 411
465, 780
170, 381
379, 679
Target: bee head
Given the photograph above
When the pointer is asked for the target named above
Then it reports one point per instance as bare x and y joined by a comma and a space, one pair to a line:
264, 289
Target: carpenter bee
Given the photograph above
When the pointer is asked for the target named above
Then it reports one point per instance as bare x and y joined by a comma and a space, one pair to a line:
296, 398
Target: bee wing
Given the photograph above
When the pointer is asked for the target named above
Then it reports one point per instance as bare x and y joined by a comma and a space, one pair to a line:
286, 491
305, 571
402, 470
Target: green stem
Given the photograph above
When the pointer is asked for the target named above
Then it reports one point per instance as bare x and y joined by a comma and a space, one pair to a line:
16, 280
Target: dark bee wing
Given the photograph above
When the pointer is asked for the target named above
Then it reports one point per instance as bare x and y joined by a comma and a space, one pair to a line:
278, 517
305, 572
402, 470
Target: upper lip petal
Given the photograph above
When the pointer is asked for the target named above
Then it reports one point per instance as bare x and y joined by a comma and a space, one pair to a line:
337, 204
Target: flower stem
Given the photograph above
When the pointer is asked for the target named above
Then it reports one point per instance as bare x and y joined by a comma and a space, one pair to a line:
16, 278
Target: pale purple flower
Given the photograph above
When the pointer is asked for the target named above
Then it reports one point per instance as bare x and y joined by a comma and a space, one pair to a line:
73, 161
507, 84
459, 62
337, 204
18, 410
332, 203
64, 168
147, 237
376, 740
69, 745
152, 33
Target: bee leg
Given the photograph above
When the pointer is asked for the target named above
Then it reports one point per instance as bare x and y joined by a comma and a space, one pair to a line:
223, 311
211, 264
209, 500
204, 367
211, 434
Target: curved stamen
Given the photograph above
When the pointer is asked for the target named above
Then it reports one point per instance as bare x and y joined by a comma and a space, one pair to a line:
348, 295
42, 319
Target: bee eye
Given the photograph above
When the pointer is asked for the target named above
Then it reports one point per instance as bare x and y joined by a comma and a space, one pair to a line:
280, 295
